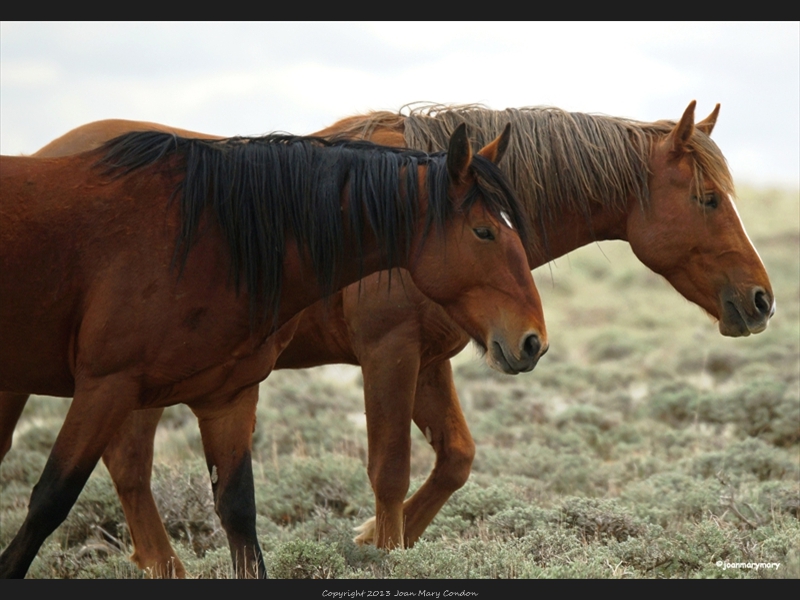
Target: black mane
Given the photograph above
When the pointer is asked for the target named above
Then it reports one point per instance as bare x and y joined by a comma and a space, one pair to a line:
266, 190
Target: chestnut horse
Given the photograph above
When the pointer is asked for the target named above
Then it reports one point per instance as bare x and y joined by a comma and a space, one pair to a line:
664, 187
154, 271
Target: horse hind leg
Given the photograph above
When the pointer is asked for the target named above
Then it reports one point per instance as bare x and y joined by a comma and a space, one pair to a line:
91, 422
437, 413
129, 460
11, 406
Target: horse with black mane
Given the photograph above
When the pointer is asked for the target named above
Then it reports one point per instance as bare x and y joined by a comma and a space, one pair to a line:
157, 270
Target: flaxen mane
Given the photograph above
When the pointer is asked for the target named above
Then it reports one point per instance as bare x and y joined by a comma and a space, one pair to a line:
557, 160
264, 191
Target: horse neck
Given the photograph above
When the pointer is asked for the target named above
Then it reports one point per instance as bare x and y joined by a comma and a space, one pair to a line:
301, 288
379, 127
361, 257
602, 198
572, 230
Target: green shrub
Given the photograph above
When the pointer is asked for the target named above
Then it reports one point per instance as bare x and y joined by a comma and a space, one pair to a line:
781, 497
552, 544
518, 521
473, 502
428, 560
22, 466
303, 559
97, 514
213, 564
672, 498
613, 344
752, 457
184, 499
599, 519
94, 559
674, 403
765, 409
302, 485
39, 437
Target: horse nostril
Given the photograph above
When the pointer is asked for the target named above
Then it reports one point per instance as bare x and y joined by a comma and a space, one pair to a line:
762, 301
531, 346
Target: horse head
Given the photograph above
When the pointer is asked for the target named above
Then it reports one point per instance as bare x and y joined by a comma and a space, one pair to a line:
499, 307
690, 231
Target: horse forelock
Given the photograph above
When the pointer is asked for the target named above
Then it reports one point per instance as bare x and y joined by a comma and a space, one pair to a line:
710, 164
494, 190
269, 190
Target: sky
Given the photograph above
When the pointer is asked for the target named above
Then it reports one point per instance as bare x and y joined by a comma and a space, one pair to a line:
254, 78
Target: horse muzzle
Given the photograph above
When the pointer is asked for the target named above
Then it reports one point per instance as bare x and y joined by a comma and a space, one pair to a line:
531, 349
745, 313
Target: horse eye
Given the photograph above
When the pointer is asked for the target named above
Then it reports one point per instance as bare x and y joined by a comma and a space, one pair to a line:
711, 200
484, 233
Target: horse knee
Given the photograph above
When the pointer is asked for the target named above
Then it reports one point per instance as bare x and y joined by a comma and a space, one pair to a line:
389, 486
455, 465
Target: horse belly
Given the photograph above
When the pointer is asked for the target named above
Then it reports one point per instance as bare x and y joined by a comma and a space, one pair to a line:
321, 338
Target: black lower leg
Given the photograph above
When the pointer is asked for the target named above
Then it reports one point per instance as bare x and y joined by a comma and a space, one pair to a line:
51, 500
235, 504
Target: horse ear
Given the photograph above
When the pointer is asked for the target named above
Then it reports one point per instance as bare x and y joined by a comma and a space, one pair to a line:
683, 131
494, 151
459, 154
707, 124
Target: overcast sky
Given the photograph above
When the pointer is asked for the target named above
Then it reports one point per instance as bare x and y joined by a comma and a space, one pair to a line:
253, 78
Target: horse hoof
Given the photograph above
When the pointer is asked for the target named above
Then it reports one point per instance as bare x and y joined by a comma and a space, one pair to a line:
366, 533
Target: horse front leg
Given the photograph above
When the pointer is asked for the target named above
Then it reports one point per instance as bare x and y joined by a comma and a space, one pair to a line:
129, 460
97, 411
11, 406
226, 428
390, 374
437, 413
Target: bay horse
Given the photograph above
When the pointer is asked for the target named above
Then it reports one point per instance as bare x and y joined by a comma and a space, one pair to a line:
664, 187
158, 269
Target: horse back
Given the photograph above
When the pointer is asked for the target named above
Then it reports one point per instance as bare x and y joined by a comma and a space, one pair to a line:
93, 135
65, 233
